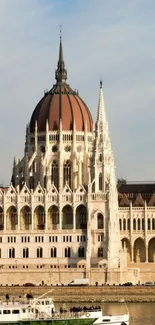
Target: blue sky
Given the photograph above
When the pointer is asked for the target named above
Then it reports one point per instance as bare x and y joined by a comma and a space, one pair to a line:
113, 40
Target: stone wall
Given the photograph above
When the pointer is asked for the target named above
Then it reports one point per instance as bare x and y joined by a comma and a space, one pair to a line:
59, 276
85, 294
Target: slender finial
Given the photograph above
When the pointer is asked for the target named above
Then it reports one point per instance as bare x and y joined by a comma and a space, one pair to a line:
60, 32
61, 72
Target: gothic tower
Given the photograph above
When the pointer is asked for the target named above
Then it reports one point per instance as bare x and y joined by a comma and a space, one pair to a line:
68, 169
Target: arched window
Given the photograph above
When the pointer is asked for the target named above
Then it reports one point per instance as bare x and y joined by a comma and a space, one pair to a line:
39, 252
1, 216
128, 224
143, 224
11, 252
31, 182
27, 216
0, 253
25, 252
83, 215
100, 182
67, 173
41, 216
14, 216
55, 215
124, 224
149, 224
153, 224
53, 252
138, 224
100, 252
55, 174
81, 252
100, 221
67, 252
134, 224
45, 181
120, 224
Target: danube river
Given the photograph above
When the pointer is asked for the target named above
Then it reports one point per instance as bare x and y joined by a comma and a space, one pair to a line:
140, 313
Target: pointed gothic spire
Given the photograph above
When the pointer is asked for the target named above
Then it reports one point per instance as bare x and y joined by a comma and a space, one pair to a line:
101, 116
61, 72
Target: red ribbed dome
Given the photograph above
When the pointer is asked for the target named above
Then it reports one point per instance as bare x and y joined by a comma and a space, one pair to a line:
61, 103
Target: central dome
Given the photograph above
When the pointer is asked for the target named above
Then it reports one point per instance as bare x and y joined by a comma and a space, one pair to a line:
63, 104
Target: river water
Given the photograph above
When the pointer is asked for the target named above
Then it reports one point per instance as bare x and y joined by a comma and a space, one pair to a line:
140, 313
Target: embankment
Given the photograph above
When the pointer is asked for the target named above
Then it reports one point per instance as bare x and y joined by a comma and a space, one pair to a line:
85, 294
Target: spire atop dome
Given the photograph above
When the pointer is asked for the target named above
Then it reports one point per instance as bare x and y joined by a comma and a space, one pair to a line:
101, 116
61, 72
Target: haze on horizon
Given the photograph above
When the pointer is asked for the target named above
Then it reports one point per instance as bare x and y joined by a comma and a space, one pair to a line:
109, 40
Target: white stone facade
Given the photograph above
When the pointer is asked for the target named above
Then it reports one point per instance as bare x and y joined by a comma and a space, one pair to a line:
74, 220
60, 220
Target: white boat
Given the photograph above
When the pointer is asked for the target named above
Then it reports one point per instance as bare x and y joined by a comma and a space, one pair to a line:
42, 309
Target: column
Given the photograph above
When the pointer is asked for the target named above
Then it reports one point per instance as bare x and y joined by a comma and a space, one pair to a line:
4, 211
46, 218
18, 218
145, 232
146, 254
132, 254
60, 217
74, 218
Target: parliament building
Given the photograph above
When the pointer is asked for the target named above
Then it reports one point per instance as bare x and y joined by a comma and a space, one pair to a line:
65, 215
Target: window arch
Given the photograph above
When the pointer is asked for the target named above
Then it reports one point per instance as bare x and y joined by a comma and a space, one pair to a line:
13, 214
138, 224
55, 174
128, 224
67, 252
0, 253
120, 224
39, 252
124, 224
100, 182
143, 224
53, 252
25, 252
81, 252
1, 216
41, 215
153, 224
12, 252
100, 252
27, 216
134, 224
100, 221
67, 173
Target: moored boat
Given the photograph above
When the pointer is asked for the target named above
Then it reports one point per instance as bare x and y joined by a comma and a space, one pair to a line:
41, 311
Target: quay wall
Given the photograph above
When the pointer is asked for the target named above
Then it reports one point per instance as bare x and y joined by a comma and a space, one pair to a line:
84, 294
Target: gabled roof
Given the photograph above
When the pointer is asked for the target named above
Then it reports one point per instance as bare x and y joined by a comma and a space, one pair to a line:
39, 190
152, 200
53, 189
80, 190
67, 189
139, 201
11, 190
25, 190
124, 202
132, 189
